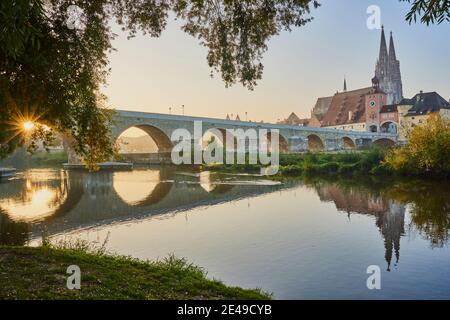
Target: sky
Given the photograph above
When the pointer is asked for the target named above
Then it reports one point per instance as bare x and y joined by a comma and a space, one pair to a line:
155, 74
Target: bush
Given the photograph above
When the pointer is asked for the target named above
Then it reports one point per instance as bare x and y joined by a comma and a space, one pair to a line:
290, 159
349, 168
291, 170
348, 157
371, 158
329, 167
427, 150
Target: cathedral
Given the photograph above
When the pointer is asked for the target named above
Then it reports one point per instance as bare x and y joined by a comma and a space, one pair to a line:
388, 73
361, 109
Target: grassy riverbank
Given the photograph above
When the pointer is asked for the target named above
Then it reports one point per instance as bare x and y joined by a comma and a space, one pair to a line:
40, 273
347, 163
22, 159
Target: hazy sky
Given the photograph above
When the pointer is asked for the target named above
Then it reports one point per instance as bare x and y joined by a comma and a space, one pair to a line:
155, 74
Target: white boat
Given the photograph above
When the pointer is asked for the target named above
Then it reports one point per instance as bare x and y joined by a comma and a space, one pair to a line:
7, 172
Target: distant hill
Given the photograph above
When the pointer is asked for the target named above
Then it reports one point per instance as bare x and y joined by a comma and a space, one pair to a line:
143, 144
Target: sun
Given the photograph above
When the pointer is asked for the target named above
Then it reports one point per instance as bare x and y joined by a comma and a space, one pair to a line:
28, 125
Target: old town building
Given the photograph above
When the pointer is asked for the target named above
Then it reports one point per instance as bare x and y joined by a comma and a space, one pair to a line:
415, 111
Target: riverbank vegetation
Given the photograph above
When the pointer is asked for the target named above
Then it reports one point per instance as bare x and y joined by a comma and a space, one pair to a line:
40, 273
347, 163
426, 154
22, 159
427, 151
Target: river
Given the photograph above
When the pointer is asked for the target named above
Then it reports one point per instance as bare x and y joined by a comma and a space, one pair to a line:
298, 239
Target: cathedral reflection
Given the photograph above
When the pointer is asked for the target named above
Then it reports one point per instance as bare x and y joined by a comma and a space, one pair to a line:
389, 214
67, 200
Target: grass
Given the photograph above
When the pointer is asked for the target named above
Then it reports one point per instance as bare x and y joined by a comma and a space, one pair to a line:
43, 159
362, 162
40, 273
22, 159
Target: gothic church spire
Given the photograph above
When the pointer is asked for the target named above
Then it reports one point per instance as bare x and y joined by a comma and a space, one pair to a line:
383, 48
392, 55
387, 71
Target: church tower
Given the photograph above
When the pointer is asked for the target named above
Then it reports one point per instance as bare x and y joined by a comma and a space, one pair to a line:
374, 101
387, 71
395, 74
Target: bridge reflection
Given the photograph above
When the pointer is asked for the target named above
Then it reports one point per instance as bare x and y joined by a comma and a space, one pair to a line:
141, 188
60, 201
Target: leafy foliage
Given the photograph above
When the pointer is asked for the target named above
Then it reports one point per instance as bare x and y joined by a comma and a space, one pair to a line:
51, 68
429, 11
427, 150
236, 32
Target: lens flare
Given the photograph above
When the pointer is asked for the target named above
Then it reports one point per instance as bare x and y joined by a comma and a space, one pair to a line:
28, 125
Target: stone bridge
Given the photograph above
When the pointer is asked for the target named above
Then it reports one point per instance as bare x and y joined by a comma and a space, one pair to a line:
292, 139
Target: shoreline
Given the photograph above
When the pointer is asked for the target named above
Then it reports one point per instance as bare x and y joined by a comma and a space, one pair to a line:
41, 273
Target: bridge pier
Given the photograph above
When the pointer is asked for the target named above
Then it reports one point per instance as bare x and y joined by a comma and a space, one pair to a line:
363, 142
298, 144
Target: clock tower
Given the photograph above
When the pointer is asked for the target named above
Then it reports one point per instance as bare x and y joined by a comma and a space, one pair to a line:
374, 100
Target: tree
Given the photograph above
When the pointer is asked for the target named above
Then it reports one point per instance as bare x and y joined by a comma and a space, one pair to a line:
429, 11
427, 150
51, 67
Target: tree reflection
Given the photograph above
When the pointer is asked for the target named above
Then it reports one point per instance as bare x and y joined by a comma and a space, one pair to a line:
427, 201
429, 206
13, 233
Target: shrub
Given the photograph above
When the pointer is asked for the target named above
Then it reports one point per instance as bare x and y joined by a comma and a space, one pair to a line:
349, 168
348, 157
291, 170
427, 150
329, 167
371, 158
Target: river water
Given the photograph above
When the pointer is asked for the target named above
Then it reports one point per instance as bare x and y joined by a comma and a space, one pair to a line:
299, 239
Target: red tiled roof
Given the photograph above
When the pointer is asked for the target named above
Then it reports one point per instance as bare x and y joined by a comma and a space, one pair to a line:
345, 103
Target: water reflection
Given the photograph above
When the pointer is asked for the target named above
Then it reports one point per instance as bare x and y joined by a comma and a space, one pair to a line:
12, 232
34, 197
389, 213
63, 201
141, 187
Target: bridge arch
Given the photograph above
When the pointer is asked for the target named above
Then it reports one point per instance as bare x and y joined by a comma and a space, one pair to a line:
221, 134
161, 139
315, 143
348, 143
389, 127
283, 144
384, 142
